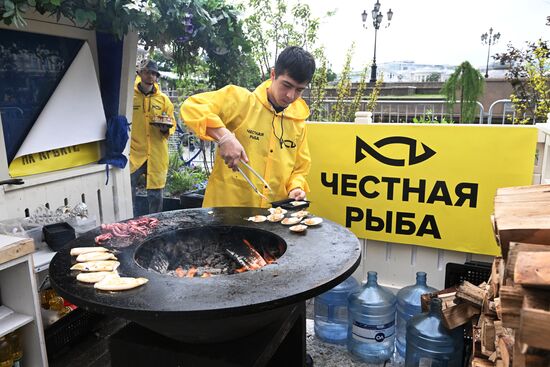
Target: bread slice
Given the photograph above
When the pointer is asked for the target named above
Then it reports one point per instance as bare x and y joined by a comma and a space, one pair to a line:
95, 256
94, 277
112, 283
108, 265
84, 250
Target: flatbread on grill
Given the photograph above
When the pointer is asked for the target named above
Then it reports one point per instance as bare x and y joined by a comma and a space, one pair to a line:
95, 256
113, 283
108, 265
84, 250
94, 277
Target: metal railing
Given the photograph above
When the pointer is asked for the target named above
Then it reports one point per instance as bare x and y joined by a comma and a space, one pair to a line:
500, 112
508, 112
191, 149
406, 111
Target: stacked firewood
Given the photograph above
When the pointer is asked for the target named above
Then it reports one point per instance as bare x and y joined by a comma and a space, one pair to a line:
473, 305
522, 227
509, 314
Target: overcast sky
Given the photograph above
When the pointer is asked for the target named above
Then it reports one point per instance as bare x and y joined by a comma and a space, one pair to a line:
429, 31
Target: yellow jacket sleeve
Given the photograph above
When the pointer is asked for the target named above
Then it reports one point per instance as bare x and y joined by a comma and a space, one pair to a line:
215, 109
301, 167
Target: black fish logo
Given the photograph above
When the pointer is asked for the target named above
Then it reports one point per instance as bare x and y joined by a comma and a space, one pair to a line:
361, 146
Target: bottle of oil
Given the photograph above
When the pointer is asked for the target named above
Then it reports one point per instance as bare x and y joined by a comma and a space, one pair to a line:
45, 297
14, 339
65, 310
56, 303
6, 359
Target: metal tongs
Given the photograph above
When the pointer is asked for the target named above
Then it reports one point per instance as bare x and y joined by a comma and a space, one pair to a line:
250, 182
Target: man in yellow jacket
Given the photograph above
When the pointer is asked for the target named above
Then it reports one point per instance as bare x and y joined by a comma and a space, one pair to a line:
265, 128
152, 123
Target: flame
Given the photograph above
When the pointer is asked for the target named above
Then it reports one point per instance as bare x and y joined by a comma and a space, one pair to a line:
180, 272
257, 261
191, 272
270, 259
252, 261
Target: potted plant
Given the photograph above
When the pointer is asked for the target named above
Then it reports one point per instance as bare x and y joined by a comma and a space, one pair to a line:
184, 184
187, 185
184, 187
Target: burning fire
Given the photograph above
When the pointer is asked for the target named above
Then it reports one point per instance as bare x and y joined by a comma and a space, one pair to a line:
250, 260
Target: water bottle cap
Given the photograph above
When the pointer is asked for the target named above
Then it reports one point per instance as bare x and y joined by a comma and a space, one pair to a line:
435, 305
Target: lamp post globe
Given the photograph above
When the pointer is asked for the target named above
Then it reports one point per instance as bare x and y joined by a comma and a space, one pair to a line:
377, 18
489, 39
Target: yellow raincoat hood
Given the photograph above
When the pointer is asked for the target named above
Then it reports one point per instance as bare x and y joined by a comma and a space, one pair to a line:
276, 143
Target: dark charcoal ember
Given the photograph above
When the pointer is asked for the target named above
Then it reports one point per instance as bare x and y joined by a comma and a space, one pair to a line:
203, 252
159, 262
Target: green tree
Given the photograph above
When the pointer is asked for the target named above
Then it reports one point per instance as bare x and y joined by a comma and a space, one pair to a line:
373, 97
529, 74
183, 30
361, 87
468, 82
339, 110
273, 26
318, 86
331, 75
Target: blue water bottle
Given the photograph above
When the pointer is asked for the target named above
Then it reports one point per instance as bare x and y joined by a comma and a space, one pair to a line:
408, 305
429, 343
331, 312
371, 327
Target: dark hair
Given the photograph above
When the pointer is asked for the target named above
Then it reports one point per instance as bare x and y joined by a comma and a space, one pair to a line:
297, 63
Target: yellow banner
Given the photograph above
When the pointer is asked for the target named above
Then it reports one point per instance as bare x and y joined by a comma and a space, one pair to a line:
429, 185
55, 159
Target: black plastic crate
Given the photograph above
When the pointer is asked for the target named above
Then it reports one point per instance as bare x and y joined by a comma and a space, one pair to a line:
69, 329
475, 272
57, 235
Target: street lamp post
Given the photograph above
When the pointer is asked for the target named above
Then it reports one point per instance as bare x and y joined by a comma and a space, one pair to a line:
489, 39
377, 17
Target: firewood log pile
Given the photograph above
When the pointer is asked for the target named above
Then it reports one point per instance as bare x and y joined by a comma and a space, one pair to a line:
510, 314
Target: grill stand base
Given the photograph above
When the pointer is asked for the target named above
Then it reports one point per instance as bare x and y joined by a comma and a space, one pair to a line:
282, 343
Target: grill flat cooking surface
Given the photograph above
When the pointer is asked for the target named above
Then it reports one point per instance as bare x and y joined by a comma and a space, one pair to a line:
314, 262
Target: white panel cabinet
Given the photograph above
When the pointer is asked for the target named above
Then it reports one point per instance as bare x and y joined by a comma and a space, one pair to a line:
19, 293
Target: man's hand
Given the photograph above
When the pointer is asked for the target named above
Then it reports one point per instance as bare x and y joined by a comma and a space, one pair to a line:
297, 194
231, 151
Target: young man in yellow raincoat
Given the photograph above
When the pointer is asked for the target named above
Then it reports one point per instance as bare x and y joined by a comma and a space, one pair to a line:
265, 128
149, 138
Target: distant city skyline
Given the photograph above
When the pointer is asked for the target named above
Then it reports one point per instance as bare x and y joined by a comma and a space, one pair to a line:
428, 31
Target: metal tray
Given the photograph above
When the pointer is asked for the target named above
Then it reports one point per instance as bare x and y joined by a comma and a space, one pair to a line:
287, 204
